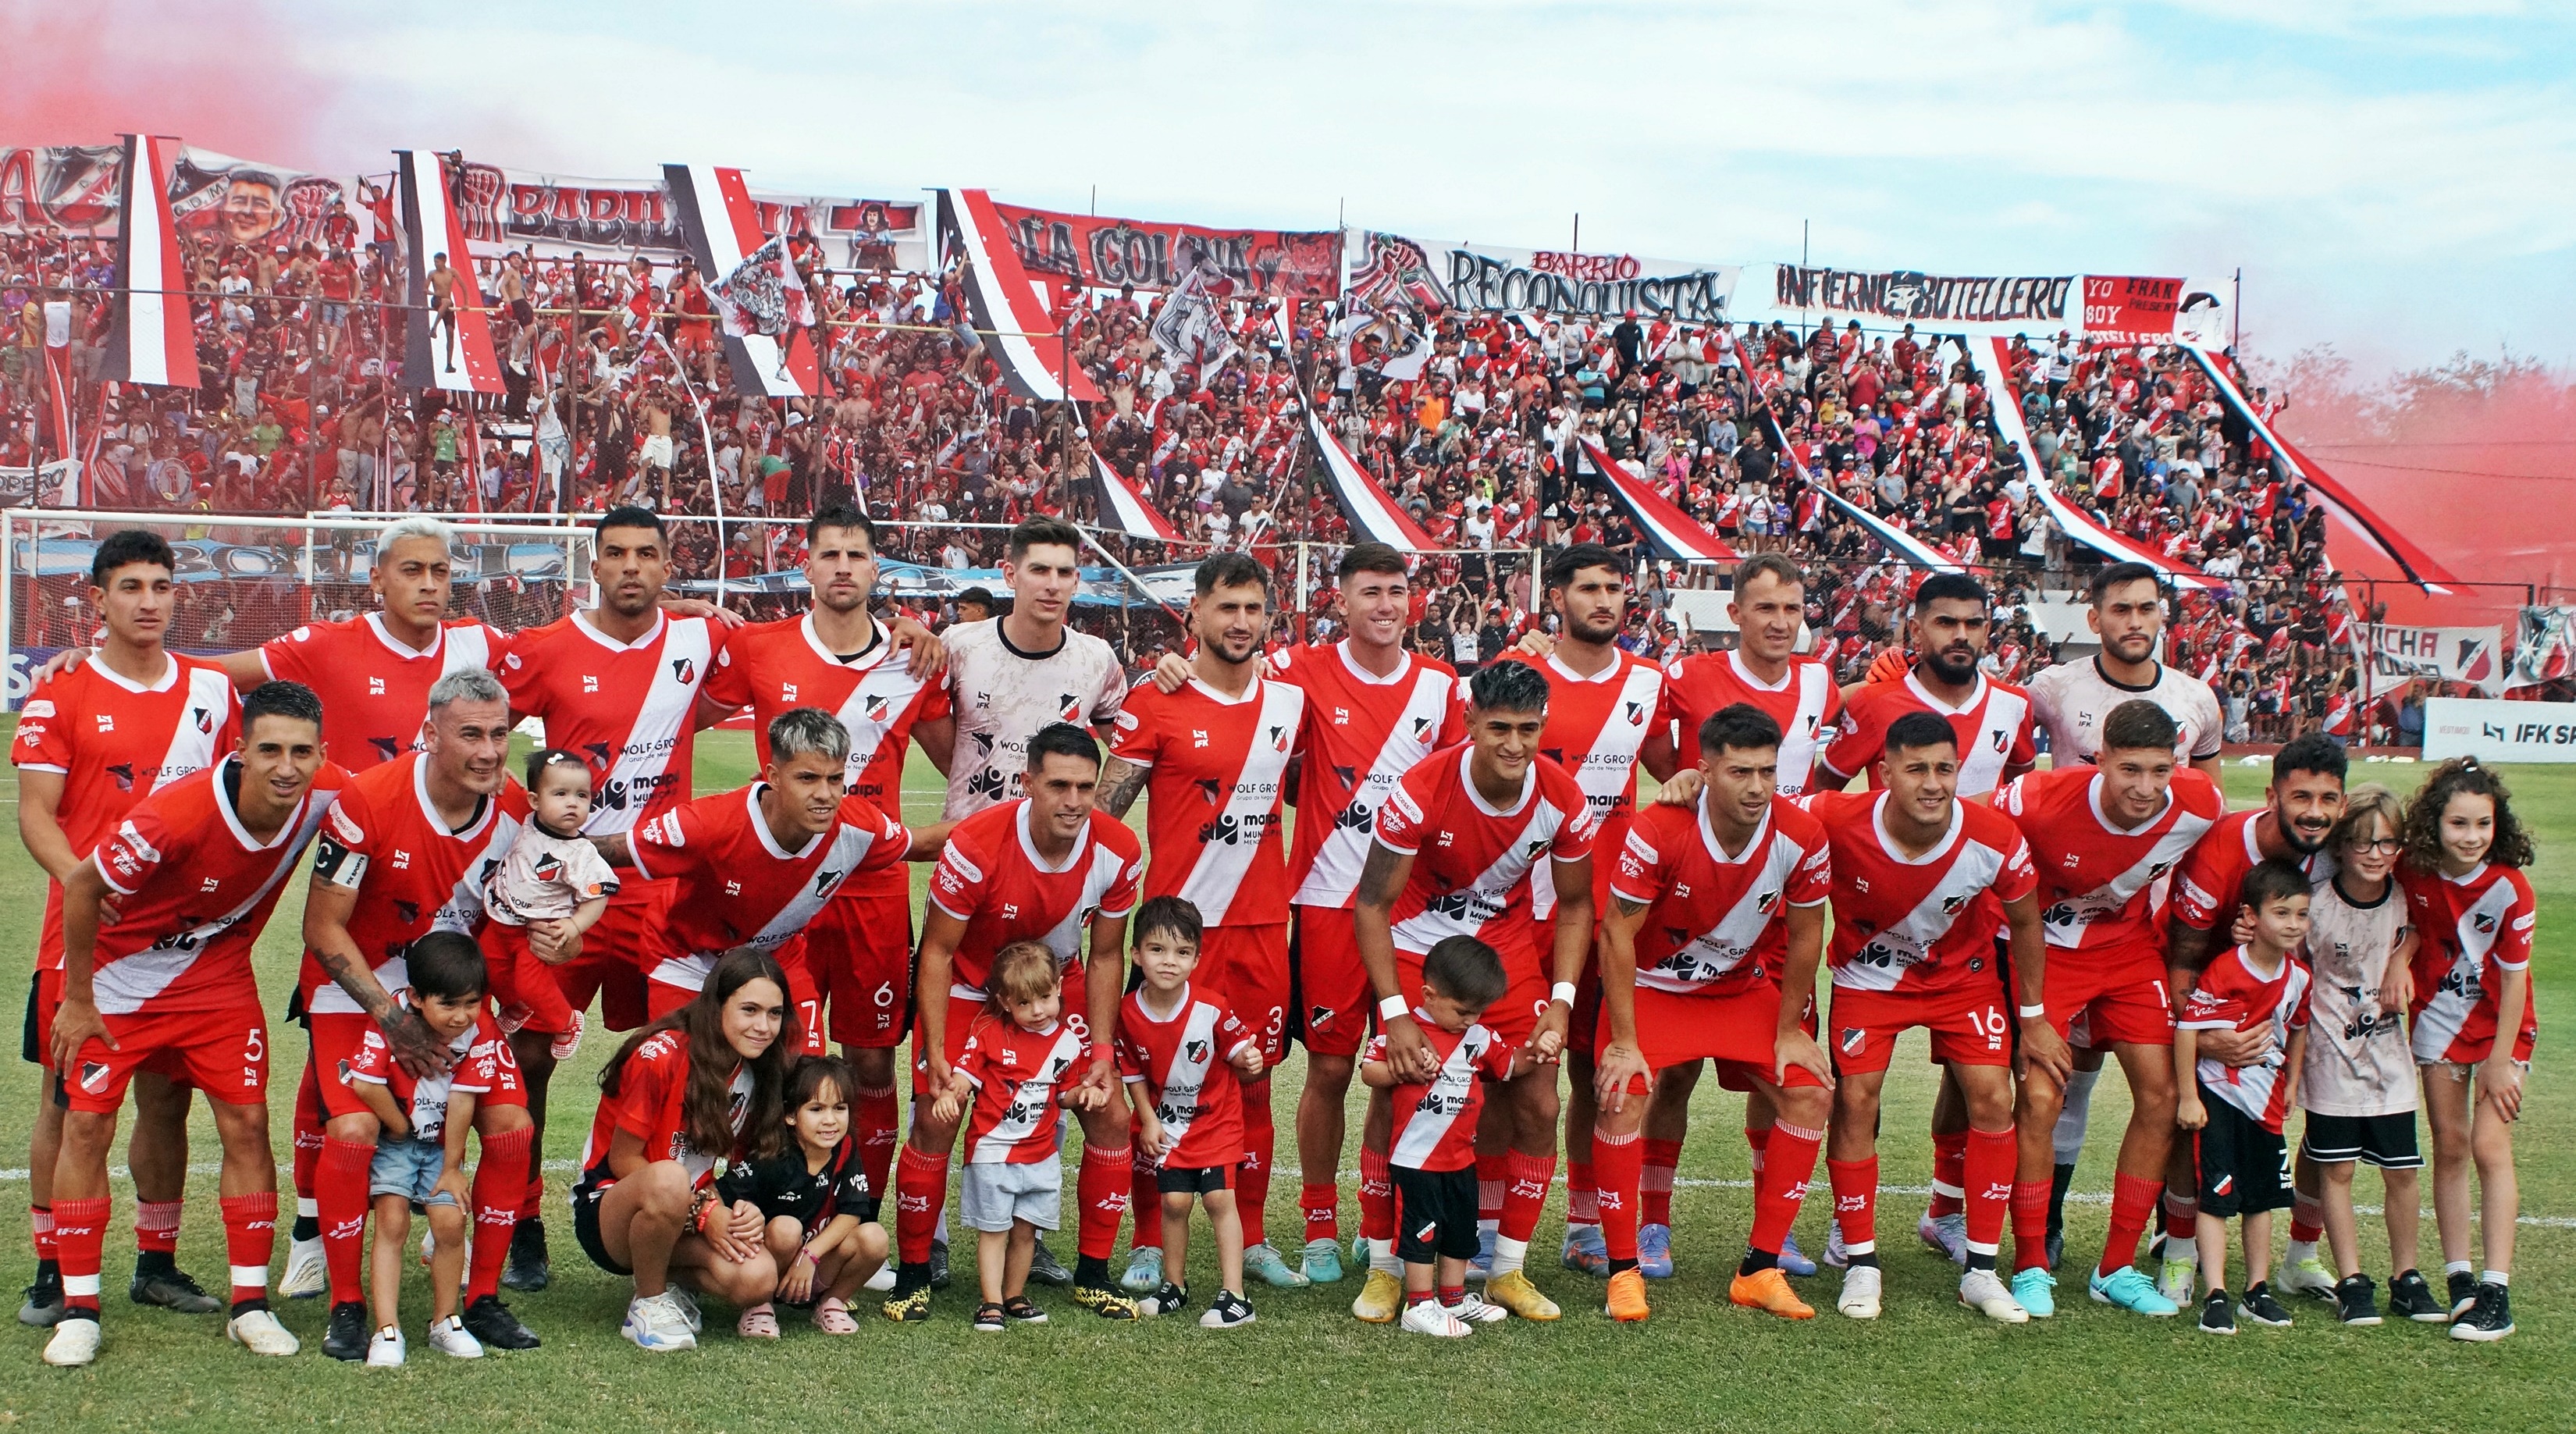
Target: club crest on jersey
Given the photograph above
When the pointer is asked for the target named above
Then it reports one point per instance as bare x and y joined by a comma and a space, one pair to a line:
1950, 904
1211, 788
547, 868
1279, 737
2001, 739
387, 748
877, 706
1068, 705
123, 772
1421, 729
2485, 923
406, 912
2159, 869
205, 719
685, 669
1318, 1017
1636, 714
825, 880
94, 1076
1195, 1050
1764, 902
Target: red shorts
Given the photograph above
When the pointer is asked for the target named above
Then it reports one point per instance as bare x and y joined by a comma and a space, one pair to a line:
2116, 998
523, 988
858, 951
1334, 1002
1731, 1078
1248, 966
223, 1052
44, 998
1969, 1028
962, 1011
1735, 1029
611, 965
664, 995
1514, 1018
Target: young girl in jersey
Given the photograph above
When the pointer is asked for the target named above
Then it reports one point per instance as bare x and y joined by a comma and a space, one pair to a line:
822, 1222
1171, 1038
2358, 1084
704, 1085
2473, 1025
550, 889
1018, 1054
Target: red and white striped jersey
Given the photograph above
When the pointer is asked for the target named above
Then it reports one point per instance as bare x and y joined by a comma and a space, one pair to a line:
1806, 704
479, 1059
1923, 924
115, 742
1595, 725
412, 874
772, 667
991, 877
1018, 1078
738, 887
1473, 862
626, 707
2232, 996
2103, 890
2209, 880
374, 690
2471, 930
193, 890
1435, 1120
1993, 726
1716, 925
1361, 735
1216, 793
1180, 1059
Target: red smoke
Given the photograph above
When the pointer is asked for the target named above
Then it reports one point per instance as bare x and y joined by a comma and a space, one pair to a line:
229, 77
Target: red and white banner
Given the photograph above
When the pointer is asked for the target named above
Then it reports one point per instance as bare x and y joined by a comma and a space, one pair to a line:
1992, 357
1124, 509
64, 435
153, 339
1107, 253
449, 346
1674, 533
1374, 516
2544, 650
721, 226
2471, 656
1006, 306
2125, 309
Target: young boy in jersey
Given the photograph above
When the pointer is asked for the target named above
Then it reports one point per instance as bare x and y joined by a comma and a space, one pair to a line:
821, 1221
1019, 1054
2235, 1112
1171, 1038
1432, 1151
420, 1145
552, 887
2358, 1086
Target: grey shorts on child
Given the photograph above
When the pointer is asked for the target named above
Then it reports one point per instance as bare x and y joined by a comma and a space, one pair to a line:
992, 1196
410, 1168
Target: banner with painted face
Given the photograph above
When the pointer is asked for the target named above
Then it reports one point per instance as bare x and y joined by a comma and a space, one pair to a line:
2545, 649
258, 205
1109, 253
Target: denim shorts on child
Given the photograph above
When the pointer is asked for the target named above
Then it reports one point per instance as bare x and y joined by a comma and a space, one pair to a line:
991, 1196
410, 1168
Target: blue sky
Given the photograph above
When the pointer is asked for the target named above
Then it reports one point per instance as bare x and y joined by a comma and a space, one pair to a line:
2397, 178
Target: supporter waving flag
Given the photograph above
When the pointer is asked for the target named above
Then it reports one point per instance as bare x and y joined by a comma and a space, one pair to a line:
1004, 303
763, 300
453, 351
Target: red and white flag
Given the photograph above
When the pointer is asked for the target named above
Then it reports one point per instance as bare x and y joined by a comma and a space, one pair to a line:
1674, 533
755, 288
1124, 508
154, 337
445, 347
1374, 515
1007, 309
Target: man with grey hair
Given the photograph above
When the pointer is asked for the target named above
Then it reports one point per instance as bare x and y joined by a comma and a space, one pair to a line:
750, 867
404, 854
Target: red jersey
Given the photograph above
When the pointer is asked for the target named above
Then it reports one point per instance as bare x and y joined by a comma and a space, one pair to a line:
650, 1104
1806, 704
1993, 726
413, 875
625, 706
193, 891
1018, 1078
1181, 1062
738, 887
2207, 883
1473, 862
771, 667
2473, 929
1216, 794
1361, 735
991, 877
2231, 996
1919, 925
115, 742
480, 1065
1715, 927
2102, 889
1435, 1120
374, 690
1594, 727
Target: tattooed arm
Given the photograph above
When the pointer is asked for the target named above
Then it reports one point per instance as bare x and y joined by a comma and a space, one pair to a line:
1120, 781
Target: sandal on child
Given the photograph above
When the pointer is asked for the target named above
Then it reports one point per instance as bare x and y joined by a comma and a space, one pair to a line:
833, 1317
988, 1318
1018, 1310
757, 1322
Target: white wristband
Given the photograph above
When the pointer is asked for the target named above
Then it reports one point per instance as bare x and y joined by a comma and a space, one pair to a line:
1562, 991
2033, 1013
1392, 1007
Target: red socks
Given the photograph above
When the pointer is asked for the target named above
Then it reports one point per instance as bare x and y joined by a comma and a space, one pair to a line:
1101, 1186
1493, 1173
1323, 1207
1377, 1199
874, 1120
40, 1222
1582, 1187
2030, 1224
2307, 1218
250, 1238
920, 1188
308, 1137
1986, 1166
80, 1239
2182, 1218
1145, 1204
1757, 1140
1252, 1179
1528, 1179
340, 1192
500, 1177
1855, 1185
1949, 1174
156, 1226
1655, 1184
1616, 1163
2133, 1204
1787, 1163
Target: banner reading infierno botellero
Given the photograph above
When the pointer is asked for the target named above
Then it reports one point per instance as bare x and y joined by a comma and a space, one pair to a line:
1911, 296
